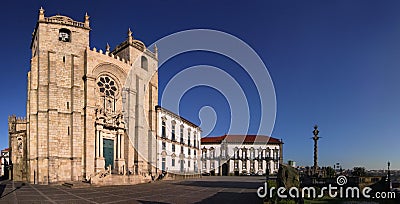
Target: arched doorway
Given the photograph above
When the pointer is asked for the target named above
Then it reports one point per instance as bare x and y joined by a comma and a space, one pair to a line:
108, 151
225, 169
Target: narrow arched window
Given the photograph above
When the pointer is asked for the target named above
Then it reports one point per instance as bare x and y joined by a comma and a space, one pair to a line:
181, 134
194, 139
163, 129
144, 63
173, 132
189, 137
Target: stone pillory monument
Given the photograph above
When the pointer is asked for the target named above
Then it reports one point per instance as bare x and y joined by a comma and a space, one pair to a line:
77, 127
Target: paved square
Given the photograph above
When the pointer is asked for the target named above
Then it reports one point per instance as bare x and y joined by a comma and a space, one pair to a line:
212, 189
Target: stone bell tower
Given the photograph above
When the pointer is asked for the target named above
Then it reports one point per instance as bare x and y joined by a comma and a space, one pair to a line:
56, 99
88, 111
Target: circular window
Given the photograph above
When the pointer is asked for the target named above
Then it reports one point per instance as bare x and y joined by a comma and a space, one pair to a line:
107, 86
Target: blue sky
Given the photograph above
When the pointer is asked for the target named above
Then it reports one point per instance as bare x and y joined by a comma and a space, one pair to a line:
333, 63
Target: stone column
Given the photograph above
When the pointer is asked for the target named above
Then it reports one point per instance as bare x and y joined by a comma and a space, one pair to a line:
119, 145
96, 148
101, 144
100, 161
219, 167
98, 143
115, 148
122, 146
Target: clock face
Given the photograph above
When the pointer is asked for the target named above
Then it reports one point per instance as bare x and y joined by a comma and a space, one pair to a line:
63, 37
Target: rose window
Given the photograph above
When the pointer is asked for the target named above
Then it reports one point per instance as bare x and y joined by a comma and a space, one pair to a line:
107, 86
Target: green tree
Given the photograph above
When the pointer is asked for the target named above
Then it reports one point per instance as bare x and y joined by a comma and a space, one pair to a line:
358, 171
330, 172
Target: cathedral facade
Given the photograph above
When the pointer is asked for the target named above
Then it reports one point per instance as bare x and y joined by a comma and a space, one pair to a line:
89, 111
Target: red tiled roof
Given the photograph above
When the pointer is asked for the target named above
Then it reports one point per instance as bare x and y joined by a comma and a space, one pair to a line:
240, 139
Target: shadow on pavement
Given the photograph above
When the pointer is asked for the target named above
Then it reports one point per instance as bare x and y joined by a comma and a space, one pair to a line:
3, 186
222, 184
225, 197
146, 201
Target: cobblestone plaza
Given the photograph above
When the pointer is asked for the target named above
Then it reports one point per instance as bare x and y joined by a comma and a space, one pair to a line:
213, 189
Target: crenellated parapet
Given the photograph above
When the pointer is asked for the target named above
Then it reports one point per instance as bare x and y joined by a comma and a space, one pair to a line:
15, 119
16, 123
111, 55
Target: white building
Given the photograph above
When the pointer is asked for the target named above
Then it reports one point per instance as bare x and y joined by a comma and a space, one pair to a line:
4, 161
178, 143
241, 154
292, 163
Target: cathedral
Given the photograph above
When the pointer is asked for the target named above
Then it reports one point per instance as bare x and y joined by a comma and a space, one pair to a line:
89, 113
92, 115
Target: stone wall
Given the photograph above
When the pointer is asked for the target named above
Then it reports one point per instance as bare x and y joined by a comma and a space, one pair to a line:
17, 145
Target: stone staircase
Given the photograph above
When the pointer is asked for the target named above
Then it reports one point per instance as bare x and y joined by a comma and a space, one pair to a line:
173, 176
76, 184
115, 179
106, 178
